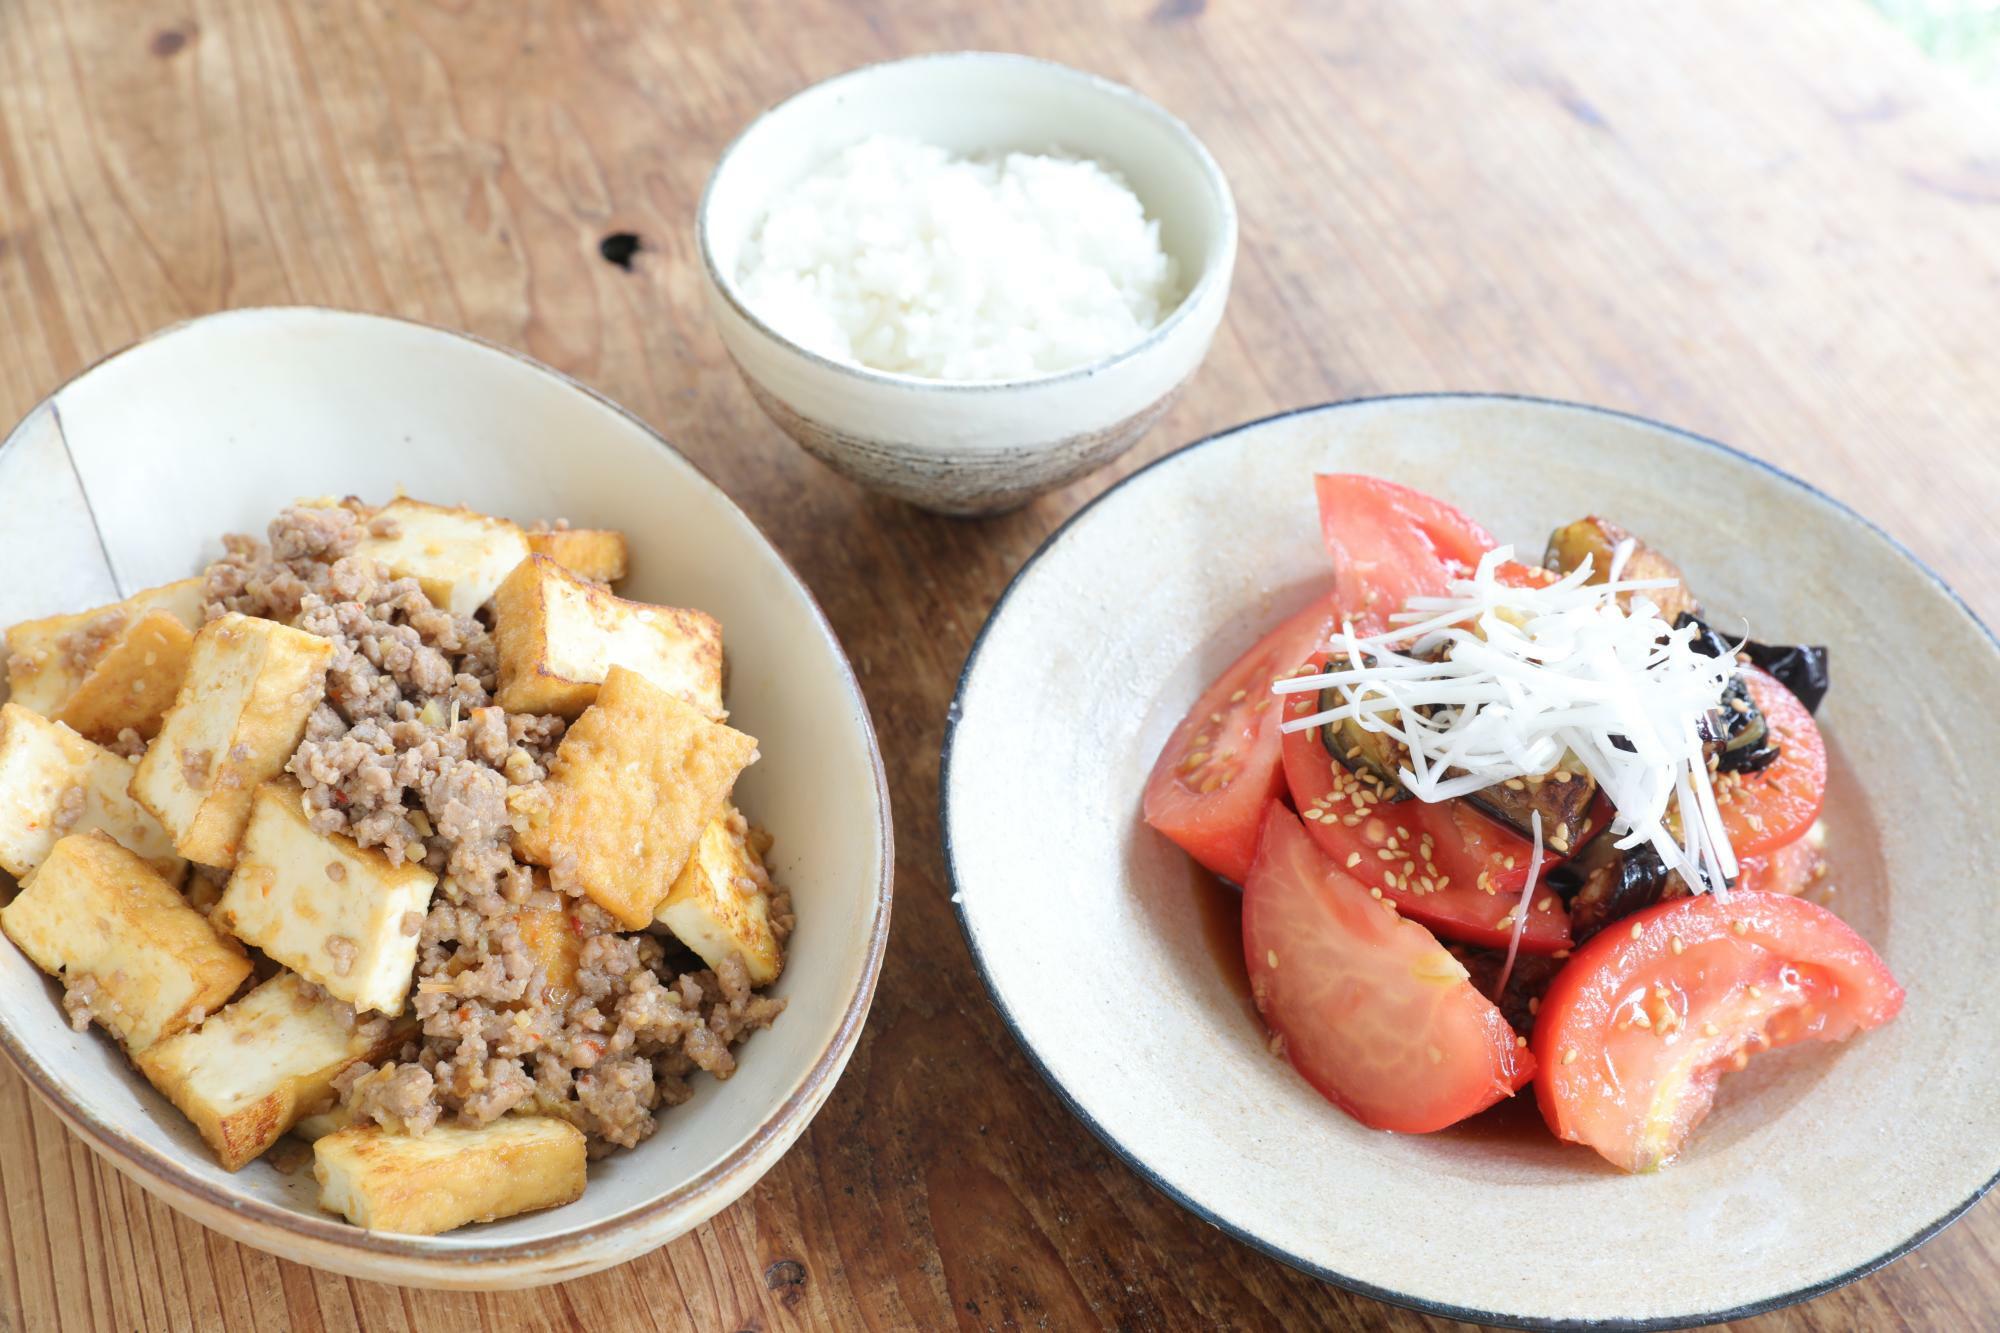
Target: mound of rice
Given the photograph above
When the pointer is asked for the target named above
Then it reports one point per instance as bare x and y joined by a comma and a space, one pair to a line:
899, 256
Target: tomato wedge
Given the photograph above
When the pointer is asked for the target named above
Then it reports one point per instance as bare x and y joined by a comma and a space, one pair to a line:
1517, 575
1446, 865
1634, 1034
1368, 1007
1390, 543
1768, 809
1219, 768
1792, 868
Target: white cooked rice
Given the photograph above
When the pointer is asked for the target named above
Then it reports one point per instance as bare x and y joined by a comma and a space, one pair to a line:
899, 256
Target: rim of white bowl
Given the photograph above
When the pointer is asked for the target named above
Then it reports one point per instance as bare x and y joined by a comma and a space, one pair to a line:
446, 1254
1426, 1305
1215, 262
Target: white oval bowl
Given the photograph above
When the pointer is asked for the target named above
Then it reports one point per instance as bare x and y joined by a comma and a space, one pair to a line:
1818, 1164
214, 425
975, 447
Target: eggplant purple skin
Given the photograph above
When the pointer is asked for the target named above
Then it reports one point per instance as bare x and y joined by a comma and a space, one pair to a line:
1800, 668
1604, 884
1803, 669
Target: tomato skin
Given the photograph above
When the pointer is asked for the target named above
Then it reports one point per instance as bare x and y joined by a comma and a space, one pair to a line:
1715, 982
1238, 762
1390, 543
1368, 1007
1465, 845
1764, 811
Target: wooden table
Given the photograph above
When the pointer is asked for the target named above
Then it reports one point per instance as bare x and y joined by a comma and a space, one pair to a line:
1773, 223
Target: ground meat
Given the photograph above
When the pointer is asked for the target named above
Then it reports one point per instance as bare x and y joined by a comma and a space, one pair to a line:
616, 1099
407, 753
69, 809
272, 579
342, 951
83, 1000
195, 765
80, 648
397, 1097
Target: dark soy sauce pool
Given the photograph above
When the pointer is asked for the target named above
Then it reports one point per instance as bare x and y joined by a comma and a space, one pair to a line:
1219, 906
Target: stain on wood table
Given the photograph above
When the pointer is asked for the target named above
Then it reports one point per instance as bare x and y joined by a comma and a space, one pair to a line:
1776, 224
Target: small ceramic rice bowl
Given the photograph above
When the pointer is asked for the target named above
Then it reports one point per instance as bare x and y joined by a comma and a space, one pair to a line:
1818, 1164
128, 476
972, 447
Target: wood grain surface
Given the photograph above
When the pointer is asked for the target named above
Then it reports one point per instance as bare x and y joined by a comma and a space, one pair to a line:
1772, 223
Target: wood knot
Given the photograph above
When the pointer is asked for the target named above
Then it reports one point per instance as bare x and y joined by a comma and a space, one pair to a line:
619, 247
787, 1278
171, 41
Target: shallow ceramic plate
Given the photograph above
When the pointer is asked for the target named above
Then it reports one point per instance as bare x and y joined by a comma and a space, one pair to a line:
127, 476
1111, 954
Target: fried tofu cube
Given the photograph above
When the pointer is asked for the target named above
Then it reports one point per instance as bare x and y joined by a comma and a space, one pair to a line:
425, 1184
342, 915
49, 658
552, 939
251, 1072
598, 554
632, 785
53, 781
457, 556
721, 903
250, 686
558, 634
135, 680
94, 912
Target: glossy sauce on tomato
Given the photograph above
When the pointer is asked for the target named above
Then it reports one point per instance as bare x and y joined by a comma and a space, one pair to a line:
1220, 767
1366, 1005
1633, 1035
1445, 865
1765, 810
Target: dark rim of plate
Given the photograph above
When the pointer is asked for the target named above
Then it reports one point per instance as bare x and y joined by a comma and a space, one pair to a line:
1442, 1309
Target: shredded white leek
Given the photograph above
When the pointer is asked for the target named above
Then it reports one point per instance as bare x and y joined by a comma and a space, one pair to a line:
1492, 682
1521, 908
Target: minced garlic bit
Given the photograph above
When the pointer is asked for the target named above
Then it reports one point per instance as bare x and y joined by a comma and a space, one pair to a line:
1493, 683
